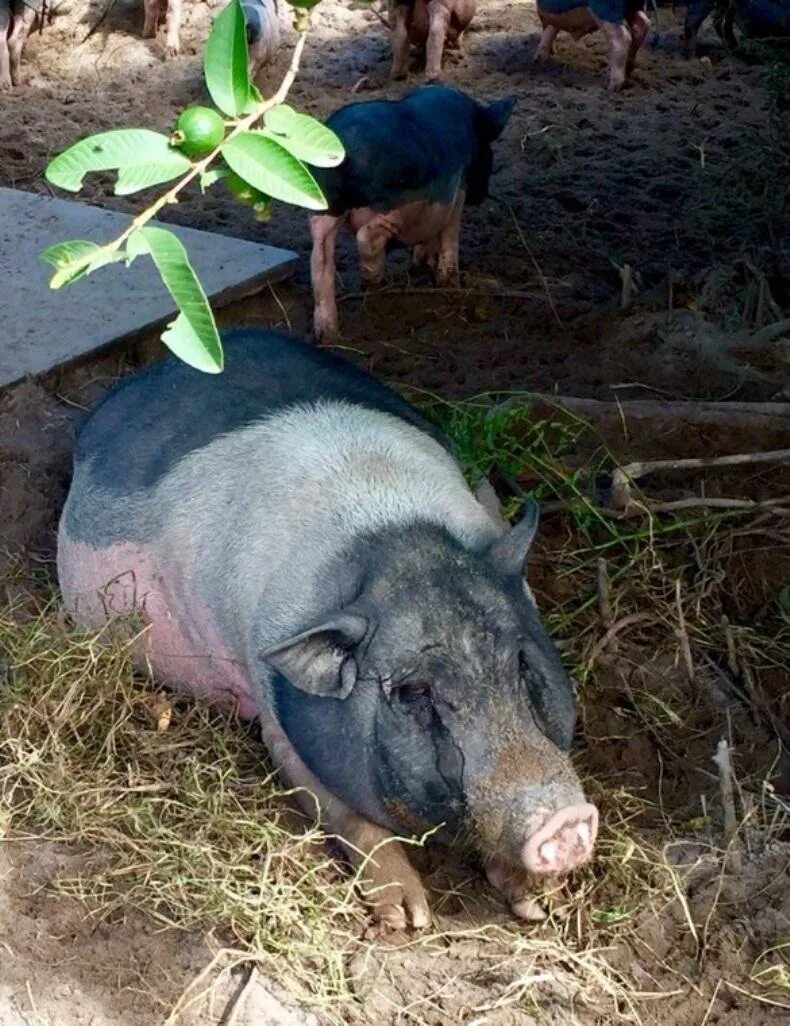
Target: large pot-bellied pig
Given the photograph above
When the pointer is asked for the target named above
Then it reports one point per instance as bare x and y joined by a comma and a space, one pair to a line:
299, 540
411, 166
623, 22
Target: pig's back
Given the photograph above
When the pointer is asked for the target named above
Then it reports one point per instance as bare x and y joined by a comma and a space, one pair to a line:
151, 421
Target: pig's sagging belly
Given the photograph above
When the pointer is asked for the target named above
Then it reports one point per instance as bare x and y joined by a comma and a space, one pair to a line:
175, 637
412, 224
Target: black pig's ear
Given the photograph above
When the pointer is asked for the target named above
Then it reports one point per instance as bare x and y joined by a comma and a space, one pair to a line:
496, 115
509, 553
320, 661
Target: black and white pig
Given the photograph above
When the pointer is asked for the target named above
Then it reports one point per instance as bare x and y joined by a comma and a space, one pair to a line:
411, 166
299, 540
430, 25
16, 20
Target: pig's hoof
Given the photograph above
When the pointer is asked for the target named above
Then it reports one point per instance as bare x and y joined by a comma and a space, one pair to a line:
324, 329
514, 885
172, 51
5, 83
540, 57
393, 889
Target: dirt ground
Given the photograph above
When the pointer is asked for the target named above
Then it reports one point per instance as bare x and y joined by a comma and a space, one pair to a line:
685, 179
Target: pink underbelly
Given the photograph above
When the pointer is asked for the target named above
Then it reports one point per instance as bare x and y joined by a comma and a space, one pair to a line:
170, 631
578, 22
412, 224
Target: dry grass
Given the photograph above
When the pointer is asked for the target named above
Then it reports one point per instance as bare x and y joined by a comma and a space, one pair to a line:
180, 817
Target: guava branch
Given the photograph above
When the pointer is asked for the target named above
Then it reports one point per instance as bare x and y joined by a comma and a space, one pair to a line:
171, 196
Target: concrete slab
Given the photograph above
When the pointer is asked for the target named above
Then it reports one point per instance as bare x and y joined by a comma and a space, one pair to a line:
42, 328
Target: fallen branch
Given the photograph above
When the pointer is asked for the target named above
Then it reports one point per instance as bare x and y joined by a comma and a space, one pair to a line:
623, 477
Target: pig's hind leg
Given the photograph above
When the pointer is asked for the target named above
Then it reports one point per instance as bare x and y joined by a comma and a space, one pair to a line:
151, 18
639, 23
388, 881
23, 22
5, 67
173, 28
400, 41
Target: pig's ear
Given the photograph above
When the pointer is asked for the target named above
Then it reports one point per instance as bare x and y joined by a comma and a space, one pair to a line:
320, 661
509, 553
496, 115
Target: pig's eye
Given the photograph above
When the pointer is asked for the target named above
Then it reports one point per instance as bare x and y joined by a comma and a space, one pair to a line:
414, 698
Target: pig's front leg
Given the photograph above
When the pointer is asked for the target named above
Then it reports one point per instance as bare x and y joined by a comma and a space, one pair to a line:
546, 44
173, 28
372, 241
388, 881
439, 22
618, 36
400, 41
515, 885
449, 239
18, 37
323, 230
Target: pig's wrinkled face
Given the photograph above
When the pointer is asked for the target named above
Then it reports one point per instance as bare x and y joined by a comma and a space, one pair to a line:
435, 698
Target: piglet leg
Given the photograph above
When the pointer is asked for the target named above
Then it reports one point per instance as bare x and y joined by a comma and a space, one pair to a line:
639, 24
151, 9
372, 247
324, 229
388, 881
618, 36
5, 67
546, 44
17, 38
438, 21
173, 28
400, 41
449, 239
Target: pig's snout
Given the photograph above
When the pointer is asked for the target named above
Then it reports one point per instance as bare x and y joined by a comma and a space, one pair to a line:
564, 841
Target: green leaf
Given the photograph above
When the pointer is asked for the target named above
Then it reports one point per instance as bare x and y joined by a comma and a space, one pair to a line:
64, 253
208, 178
271, 169
254, 100
73, 260
70, 260
303, 136
225, 61
193, 335
143, 158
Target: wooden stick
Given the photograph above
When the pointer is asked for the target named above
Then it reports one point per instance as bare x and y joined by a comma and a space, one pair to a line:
685, 644
639, 469
724, 765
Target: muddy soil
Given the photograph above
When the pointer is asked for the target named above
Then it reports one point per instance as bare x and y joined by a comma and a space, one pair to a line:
684, 177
